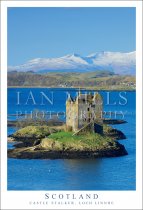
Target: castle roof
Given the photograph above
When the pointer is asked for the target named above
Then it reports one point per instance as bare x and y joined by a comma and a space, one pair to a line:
69, 98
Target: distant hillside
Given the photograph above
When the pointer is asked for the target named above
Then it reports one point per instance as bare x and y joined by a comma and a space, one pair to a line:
98, 80
123, 63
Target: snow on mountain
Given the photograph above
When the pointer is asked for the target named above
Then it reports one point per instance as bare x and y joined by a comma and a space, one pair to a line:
117, 62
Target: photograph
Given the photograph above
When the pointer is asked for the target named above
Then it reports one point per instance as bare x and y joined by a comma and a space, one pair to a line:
71, 99
72, 104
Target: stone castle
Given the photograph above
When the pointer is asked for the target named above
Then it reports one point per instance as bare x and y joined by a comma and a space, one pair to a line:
85, 110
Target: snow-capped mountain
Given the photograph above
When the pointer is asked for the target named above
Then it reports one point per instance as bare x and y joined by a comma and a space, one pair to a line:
117, 62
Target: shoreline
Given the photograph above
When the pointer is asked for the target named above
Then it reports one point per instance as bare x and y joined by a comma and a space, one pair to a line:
81, 88
31, 153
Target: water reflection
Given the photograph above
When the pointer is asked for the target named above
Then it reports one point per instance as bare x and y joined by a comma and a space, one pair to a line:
79, 164
85, 171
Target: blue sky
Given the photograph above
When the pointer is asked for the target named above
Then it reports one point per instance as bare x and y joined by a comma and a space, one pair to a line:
55, 32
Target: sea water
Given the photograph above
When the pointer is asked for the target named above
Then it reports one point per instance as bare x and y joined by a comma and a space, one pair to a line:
117, 173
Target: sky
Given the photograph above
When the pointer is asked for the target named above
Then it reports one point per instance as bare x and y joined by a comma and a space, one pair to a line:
55, 32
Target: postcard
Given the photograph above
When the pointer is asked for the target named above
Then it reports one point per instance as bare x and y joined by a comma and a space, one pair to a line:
71, 99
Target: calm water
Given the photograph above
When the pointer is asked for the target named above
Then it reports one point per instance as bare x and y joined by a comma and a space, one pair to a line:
97, 174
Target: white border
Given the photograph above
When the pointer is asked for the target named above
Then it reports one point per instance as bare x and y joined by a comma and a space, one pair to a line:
121, 199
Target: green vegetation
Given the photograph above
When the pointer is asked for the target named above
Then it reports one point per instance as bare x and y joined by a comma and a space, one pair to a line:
98, 80
107, 129
113, 133
59, 133
46, 142
81, 142
33, 132
54, 138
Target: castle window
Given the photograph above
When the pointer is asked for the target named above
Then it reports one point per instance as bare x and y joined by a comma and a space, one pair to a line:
87, 109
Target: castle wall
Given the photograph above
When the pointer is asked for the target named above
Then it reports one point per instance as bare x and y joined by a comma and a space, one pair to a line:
98, 102
72, 115
83, 111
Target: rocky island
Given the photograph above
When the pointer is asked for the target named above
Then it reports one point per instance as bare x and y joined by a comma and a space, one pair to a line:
81, 137
42, 142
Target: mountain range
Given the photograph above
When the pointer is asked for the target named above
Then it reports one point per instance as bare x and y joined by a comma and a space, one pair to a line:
117, 62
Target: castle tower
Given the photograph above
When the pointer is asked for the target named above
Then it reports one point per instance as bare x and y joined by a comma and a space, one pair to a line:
98, 101
85, 109
71, 114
